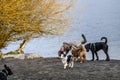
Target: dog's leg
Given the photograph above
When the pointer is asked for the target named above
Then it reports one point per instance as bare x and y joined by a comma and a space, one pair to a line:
84, 58
97, 56
72, 64
80, 59
65, 66
92, 56
107, 56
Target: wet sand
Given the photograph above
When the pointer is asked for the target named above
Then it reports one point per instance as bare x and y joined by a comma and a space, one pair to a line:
52, 69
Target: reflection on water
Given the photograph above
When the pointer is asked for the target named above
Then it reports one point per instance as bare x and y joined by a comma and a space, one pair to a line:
94, 18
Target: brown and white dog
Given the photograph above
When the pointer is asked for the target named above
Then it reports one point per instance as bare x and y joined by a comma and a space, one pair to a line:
68, 61
77, 48
79, 52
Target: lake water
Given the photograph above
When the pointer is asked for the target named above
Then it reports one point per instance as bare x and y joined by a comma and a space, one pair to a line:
94, 18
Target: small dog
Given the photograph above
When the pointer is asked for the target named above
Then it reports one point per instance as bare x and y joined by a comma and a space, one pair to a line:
67, 60
5, 72
79, 52
95, 47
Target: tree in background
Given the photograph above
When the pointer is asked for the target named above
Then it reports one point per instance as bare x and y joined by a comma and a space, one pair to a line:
28, 19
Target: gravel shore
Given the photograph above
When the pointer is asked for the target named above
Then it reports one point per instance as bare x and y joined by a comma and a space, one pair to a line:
52, 69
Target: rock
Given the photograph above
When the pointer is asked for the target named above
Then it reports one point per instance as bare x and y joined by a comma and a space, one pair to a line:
17, 56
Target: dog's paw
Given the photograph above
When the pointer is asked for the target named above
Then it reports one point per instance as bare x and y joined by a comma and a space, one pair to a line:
71, 67
65, 67
92, 59
107, 59
81, 62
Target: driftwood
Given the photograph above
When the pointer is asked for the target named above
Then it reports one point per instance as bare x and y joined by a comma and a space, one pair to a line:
22, 56
22, 46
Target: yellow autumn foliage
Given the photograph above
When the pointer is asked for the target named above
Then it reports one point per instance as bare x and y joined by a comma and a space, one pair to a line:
20, 19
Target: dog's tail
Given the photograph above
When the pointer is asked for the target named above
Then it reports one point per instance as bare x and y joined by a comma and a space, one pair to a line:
105, 39
84, 39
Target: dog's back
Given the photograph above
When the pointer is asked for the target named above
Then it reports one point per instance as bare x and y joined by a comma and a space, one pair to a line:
101, 45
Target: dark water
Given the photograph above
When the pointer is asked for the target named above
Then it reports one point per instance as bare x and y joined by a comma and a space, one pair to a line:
94, 18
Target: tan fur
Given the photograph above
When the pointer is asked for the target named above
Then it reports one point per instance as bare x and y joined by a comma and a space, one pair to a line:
79, 52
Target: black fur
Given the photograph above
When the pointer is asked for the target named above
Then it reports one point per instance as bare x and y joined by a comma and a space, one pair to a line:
84, 39
5, 72
69, 58
95, 47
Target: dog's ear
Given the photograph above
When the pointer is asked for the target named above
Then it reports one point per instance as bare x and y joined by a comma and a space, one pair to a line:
9, 72
87, 46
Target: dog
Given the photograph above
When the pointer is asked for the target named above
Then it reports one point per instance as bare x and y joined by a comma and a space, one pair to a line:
5, 73
67, 46
95, 47
79, 52
67, 60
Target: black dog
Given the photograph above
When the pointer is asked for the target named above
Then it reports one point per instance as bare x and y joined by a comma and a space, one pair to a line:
5, 72
95, 47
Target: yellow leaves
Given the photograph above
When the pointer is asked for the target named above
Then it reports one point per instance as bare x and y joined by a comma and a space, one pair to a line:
20, 18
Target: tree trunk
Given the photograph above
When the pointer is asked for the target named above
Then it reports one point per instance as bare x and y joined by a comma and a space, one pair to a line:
22, 46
